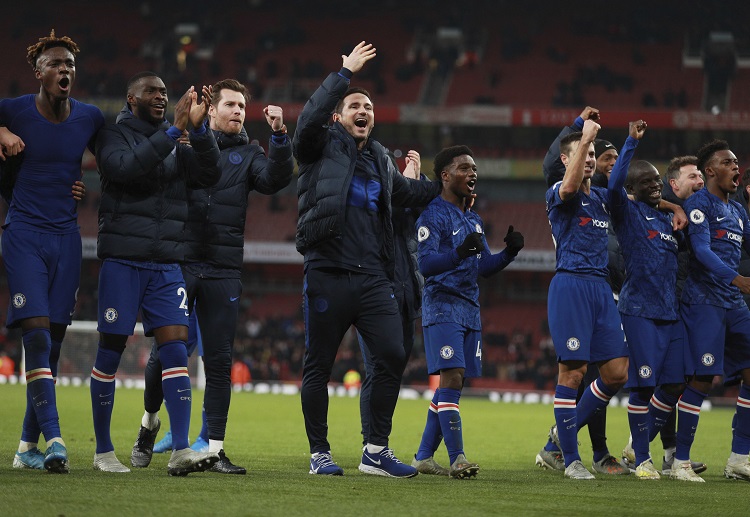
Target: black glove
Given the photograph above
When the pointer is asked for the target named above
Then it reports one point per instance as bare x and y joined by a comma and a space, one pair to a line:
513, 241
471, 246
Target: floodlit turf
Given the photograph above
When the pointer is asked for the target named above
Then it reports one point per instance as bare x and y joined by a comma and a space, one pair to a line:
266, 435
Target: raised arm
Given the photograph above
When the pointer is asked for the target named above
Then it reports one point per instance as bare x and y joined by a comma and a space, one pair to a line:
311, 133
574, 170
616, 184
553, 167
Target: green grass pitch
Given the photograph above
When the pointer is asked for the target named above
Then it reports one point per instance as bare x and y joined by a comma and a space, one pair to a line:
266, 434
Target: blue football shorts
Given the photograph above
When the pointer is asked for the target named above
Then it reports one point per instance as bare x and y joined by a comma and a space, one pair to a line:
583, 319
44, 271
718, 338
656, 349
450, 345
124, 289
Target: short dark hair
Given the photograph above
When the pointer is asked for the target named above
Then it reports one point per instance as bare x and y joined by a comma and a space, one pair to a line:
706, 153
567, 141
51, 41
137, 77
350, 91
445, 157
673, 169
228, 84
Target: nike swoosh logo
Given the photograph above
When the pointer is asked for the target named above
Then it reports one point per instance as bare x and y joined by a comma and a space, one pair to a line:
186, 389
39, 395
455, 232
641, 424
376, 462
719, 219
650, 218
585, 204
234, 298
566, 420
107, 395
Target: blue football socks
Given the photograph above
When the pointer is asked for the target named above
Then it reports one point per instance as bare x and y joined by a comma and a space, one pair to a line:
432, 434
450, 422
103, 396
177, 393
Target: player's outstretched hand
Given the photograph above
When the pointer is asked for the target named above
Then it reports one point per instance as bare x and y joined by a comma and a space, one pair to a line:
637, 129
743, 283
413, 164
471, 246
79, 190
590, 113
274, 117
182, 109
513, 242
590, 129
679, 218
199, 110
10, 143
360, 55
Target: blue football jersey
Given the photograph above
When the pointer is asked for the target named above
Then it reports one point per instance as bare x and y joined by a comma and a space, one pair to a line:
717, 231
648, 246
451, 296
579, 230
42, 199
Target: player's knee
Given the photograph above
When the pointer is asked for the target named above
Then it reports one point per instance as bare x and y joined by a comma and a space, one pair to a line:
614, 373
394, 357
452, 378
36, 342
674, 390
114, 342
616, 379
57, 331
643, 393
702, 383
218, 363
571, 378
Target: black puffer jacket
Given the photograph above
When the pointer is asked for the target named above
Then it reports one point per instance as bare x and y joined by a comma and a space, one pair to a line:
216, 223
145, 177
327, 156
408, 280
